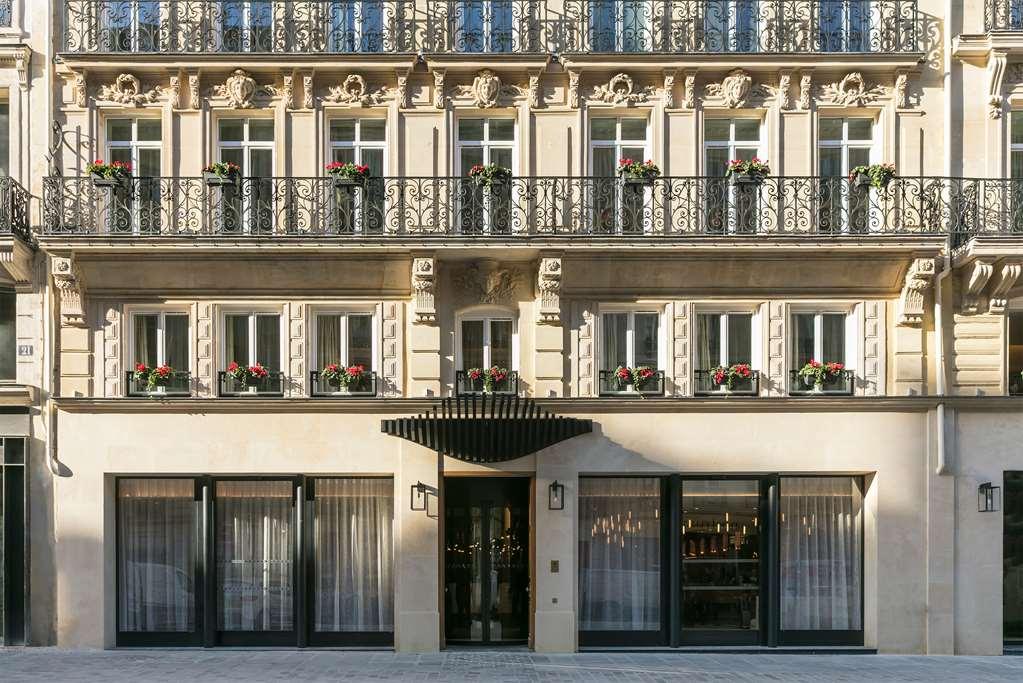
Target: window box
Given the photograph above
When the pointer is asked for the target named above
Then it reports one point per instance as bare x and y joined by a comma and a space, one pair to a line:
349, 183
746, 179
467, 386
740, 386
862, 181
99, 180
638, 181
611, 385
838, 385
271, 385
320, 387
214, 180
180, 385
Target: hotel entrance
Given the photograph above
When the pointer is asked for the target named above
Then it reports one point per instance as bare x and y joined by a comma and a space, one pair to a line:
486, 560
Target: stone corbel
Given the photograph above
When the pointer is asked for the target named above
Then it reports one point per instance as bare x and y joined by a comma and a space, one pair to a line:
22, 61
668, 94
424, 290
70, 288
401, 77
911, 302
573, 89
16, 259
1005, 280
973, 286
548, 287
535, 88
689, 90
438, 88
996, 75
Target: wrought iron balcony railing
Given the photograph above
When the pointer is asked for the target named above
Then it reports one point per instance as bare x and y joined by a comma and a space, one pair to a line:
1003, 15
321, 387
272, 385
1016, 383
490, 26
439, 207
609, 384
180, 384
467, 386
705, 386
14, 209
841, 384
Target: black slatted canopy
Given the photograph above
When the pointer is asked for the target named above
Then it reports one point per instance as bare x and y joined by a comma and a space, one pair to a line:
487, 428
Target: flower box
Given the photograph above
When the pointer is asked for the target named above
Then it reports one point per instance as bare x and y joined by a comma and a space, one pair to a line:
746, 179
638, 181
100, 180
216, 180
862, 181
346, 183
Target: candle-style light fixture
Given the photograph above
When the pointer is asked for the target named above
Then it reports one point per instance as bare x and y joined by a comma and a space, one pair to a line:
989, 497
556, 496
417, 498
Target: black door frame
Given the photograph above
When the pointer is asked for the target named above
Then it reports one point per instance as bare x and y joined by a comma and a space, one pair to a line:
484, 490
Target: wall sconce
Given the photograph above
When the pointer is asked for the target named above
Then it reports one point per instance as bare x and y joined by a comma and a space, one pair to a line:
556, 496
418, 497
989, 498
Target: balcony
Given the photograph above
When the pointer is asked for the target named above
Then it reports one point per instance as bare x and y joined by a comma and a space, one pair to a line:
536, 207
1003, 15
270, 386
322, 388
308, 27
467, 386
704, 385
14, 209
841, 384
609, 384
180, 385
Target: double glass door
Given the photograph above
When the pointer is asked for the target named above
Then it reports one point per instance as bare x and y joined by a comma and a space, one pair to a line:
486, 540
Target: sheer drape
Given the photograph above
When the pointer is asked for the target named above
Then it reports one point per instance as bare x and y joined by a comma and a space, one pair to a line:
740, 338
353, 531
328, 340
472, 344
708, 341
156, 554
145, 339
614, 340
176, 341
255, 552
619, 554
821, 536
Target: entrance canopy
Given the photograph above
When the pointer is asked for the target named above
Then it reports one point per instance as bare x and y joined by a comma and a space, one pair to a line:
487, 428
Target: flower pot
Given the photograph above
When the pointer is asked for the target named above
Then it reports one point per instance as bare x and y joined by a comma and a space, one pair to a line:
349, 182
862, 181
160, 389
102, 181
640, 181
214, 180
746, 179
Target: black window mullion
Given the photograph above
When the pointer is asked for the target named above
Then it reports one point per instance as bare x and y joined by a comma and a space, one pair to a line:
771, 574
207, 542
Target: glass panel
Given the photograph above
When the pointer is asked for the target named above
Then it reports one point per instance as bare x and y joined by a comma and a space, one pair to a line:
262, 163
156, 555
1017, 128
343, 154
721, 555
469, 157
232, 130
858, 156
717, 130
149, 130
470, 130
747, 130
646, 338
119, 130
353, 560
821, 536
509, 572
146, 339
1015, 355
802, 343
603, 129
360, 340
614, 340
328, 340
708, 346
633, 129
342, 130
176, 341
122, 154
261, 130
1012, 554
860, 129
604, 162
235, 155
463, 538
501, 343
740, 338
717, 161
149, 166
1016, 170
236, 339
8, 335
373, 130
268, 341
502, 129
833, 341
472, 344
830, 129
619, 554
5, 155
254, 555
502, 156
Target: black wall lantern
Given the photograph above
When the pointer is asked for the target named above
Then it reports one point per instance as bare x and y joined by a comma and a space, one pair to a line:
989, 498
418, 497
556, 496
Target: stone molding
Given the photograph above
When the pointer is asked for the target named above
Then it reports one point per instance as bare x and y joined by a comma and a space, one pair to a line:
548, 287
70, 289
911, 302
424, 289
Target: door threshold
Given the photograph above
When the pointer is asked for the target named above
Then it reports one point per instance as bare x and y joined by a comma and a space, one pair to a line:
745, 649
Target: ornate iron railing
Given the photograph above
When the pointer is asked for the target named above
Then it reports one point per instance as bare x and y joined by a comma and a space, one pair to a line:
180, 384
14, 209
490, 26
271, 385
609, 384
467, 386
320, 387
1003, 15
841, 384
435, 207
704, 385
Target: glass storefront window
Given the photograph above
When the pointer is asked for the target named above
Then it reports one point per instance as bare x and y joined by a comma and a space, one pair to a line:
1012, 553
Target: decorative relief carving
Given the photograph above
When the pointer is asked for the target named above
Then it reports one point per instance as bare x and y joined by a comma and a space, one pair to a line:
438, 88
70, 290
22, 61
668, 93
784, 86
287, 91
535, 92
973, 286
79, 90
174, 92
240, 90
911, 302
307, 91
402, 89
622, 90
736, 89
805, 91
424, 289
127, 89
486, 90
996, 75
1008, 274
355, 91
193, 90
487, 282
852, 91
573, 89
689, 94
548, 286
899, 92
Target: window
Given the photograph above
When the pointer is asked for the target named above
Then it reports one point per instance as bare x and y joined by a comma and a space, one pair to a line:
249, 143
13, 541
844, 144
732, 25
247, 25
360, 141
488, 25
487, 342
620, 26
629, 339
251, 338
129, 25
723, 340
730, 207
822, 337
162, 339
845, 26
344, 338
482, 142
1015, 355
617, 208
8, 336
357, 26
136, 206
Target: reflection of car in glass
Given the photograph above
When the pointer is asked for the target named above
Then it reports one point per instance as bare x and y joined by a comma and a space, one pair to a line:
161, 596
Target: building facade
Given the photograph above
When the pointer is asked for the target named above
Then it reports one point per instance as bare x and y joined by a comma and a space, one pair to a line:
496, 388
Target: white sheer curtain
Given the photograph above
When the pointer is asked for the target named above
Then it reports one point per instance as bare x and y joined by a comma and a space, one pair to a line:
353, 577
328, 340
619, 554
821, 549
156, 572
255, 555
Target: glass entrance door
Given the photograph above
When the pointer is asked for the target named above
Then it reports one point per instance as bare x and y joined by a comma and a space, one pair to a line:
721, 548
1012, 549
486, 540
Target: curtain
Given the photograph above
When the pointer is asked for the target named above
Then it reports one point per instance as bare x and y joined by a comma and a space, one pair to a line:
353, 554
236, 339
472, 344
614, 340
821, 537
176, 341
268, 341
146, 330
255, 556
646, 338
360, 340
740, 338
708, 341
619, 554
833, 342
501, 343
156, 555
803, 342
328, 340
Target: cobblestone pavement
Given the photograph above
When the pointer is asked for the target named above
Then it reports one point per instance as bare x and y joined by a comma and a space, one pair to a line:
47, 664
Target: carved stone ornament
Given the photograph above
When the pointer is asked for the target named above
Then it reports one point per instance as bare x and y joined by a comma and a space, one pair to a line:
548, 286
424, 289
240, 89
487, 282
355, 91
668, 93
622, 90
307, 91
911, 302
79, 89
784, 86
402, 89
851, 91
174, 92
734, 90
1005, 280
287, 91
805, 91
974, 281
901, 81
487, 91
689, 94
16, 258
193, 90
534, 89
70, 291
126, 89
996, 66
573, 89
438, 88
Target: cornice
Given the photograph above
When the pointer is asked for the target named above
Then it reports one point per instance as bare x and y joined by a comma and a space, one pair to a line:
977, 47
